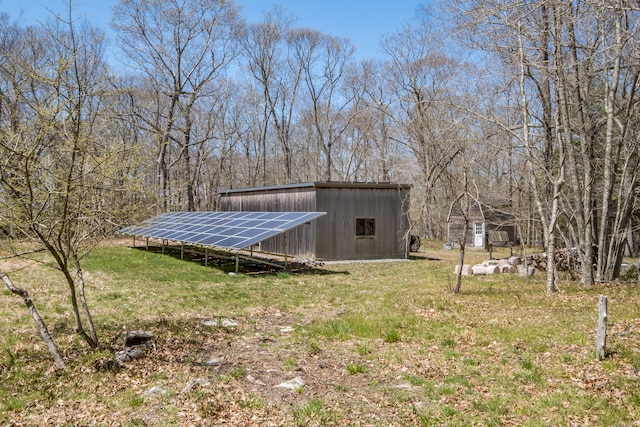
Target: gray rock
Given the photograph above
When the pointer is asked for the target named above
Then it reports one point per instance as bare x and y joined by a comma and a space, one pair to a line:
404, 386
156, 391
293, 384
221, 322
214, 361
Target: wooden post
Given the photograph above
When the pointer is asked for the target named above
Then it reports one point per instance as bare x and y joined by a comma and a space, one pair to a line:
601, 334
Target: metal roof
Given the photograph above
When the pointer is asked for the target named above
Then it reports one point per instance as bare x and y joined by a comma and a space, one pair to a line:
324, 184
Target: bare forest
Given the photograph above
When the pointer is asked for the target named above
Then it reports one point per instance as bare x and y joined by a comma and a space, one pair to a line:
533, 102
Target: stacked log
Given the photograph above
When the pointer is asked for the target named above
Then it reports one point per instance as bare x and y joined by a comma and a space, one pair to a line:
566, 260
494, 266
537, 261
466, 270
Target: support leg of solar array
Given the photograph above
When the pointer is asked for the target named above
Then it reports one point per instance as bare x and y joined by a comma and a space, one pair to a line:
134, 241
146, 246
286, 249
206, 256
237, 262
162, 246
182, 251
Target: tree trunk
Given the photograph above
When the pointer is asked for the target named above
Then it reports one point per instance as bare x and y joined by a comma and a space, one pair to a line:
163, 168
608, 176
42, 327
74, 305
456, 289
573, 86
63, 265
85, 307
186, 156
547, 204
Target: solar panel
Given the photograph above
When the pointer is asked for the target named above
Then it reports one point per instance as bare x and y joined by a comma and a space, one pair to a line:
227, 230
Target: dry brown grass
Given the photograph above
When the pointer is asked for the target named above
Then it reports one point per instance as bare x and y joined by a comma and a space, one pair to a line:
375, 343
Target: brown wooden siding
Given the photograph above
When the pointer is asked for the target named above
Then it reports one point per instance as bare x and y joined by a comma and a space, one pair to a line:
333, 236
456, 228
493, 220
302, 239
338, 240
456, 223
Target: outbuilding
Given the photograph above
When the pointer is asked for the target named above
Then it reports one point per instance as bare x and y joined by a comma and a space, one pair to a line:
363, 220
489, 222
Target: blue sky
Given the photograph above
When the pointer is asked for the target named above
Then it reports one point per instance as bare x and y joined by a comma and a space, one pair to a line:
362, 21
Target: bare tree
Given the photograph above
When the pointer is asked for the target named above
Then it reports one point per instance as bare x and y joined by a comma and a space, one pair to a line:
463, 204
323, 60
575, 68
423, 80
548, 211
373, 124
265, 54
269, 57
58, 178
619, 61
572, 82
511, 34
225, 129
181, 47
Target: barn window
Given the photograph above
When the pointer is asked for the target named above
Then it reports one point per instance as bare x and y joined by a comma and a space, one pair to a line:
365, 226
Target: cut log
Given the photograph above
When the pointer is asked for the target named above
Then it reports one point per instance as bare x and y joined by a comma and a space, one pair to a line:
526, 271
135, 344
134, 339
121, 357
508, 269
479, 269
493, 269
466, 270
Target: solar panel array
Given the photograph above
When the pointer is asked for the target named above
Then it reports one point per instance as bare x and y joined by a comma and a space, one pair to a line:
227, 230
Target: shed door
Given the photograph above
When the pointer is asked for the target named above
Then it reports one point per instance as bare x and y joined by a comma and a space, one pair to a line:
478, 234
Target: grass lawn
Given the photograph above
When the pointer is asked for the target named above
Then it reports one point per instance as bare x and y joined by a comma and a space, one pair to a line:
373, 344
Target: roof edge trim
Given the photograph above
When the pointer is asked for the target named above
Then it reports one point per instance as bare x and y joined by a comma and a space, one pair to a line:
320, 184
